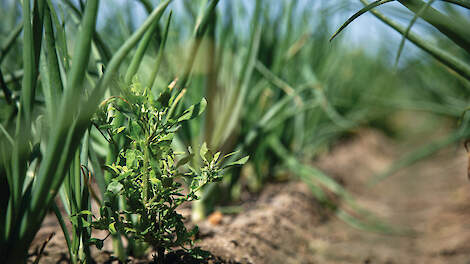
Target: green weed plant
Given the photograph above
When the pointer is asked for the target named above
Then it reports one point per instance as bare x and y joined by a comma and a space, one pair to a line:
148, 173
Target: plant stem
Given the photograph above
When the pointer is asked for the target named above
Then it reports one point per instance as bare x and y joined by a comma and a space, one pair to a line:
160, 255
146, 165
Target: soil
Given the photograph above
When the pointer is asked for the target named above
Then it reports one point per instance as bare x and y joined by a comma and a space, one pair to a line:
285, 224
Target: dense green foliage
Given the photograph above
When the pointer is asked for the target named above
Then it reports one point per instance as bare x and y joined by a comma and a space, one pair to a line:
147, 169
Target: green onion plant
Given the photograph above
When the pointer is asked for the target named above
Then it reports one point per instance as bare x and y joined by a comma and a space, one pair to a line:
53, 113
451, 24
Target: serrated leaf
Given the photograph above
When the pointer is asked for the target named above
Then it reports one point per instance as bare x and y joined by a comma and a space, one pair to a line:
231, 154
85, 223
167, 137
117, 121
97, 242
131, 157
112, 169
112, 228
115, 187
215, 158
119, 130
239, 162
193, 111
156, 182
135, 130
84, 212
203, 151
124, 174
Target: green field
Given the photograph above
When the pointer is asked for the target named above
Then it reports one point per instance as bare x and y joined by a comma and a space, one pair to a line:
116, 114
